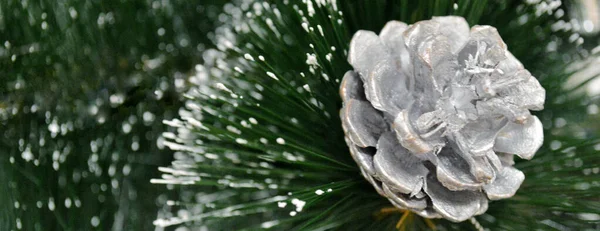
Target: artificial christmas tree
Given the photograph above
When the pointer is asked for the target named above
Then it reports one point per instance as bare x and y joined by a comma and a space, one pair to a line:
252, 130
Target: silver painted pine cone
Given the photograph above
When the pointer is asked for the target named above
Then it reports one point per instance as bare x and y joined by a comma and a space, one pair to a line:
434, 112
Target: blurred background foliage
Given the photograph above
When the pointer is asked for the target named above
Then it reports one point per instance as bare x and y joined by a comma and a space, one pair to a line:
85, 86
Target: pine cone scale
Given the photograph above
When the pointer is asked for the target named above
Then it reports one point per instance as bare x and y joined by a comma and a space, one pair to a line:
404, 200
505, 185
518, 139
362, 122
453, 172
397, 168
455, 205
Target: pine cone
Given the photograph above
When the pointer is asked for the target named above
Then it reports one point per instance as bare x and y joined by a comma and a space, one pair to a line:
434, 112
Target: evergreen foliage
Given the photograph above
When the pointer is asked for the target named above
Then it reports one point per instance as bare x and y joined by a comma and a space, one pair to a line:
84, 88
280, 64
256, 142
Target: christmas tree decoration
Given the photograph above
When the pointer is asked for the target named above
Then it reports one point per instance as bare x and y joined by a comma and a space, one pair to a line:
260, 143
230, 115
433, 114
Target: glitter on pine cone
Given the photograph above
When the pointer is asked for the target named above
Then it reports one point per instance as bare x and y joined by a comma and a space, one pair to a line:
434, 112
